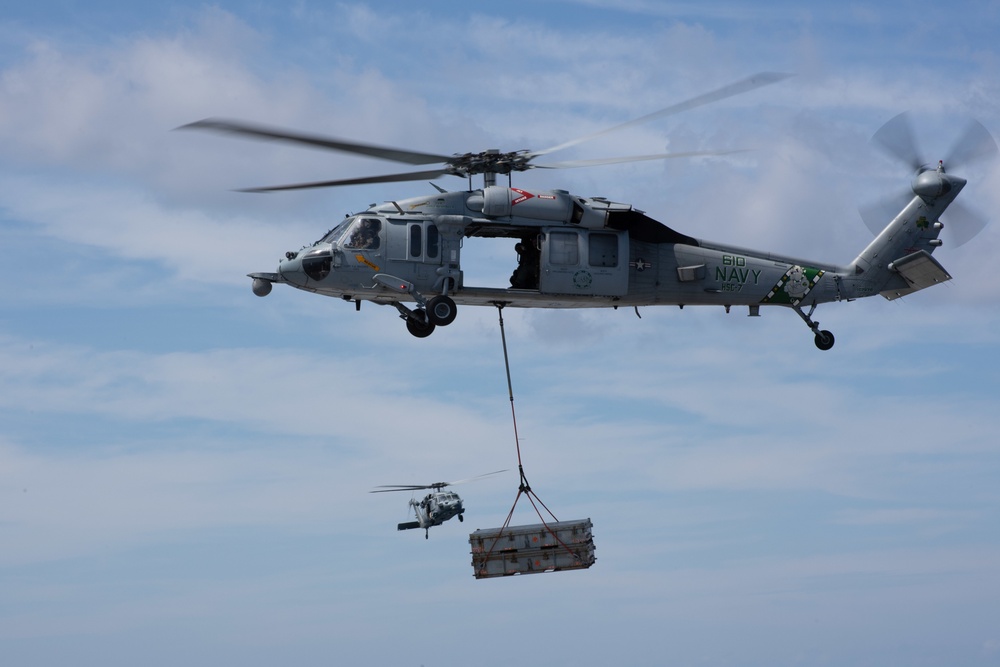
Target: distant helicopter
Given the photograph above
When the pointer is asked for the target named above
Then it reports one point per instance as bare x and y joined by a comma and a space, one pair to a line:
436, 507
589, 252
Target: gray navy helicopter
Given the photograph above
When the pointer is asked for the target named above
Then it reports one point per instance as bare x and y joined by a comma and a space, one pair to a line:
436, 507
589, 252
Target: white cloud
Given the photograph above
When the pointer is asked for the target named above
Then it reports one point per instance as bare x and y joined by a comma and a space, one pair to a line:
185, 243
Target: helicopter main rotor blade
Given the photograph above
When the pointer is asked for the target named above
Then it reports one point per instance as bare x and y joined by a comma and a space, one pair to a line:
316, 141
743, 86
388, 178
472, 479
388, 488
572, 164
490, 161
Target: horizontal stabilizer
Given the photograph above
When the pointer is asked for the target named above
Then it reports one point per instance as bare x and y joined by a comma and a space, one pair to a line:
920, 270
408, 525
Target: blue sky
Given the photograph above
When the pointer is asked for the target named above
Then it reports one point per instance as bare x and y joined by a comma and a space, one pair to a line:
184, 466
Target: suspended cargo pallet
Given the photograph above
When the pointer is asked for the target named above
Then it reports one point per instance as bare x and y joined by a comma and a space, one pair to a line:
562, 545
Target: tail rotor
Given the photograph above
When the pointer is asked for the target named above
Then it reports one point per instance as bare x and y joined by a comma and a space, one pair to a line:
897, 139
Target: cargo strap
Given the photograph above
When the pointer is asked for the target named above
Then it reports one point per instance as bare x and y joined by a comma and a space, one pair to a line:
524, 488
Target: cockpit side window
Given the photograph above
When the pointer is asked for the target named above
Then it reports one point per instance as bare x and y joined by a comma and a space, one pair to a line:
364, 234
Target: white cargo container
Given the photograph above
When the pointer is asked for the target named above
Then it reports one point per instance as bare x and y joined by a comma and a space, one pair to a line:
560, 545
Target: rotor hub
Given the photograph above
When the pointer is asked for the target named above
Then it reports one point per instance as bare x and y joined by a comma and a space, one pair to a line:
490, 162
930, 184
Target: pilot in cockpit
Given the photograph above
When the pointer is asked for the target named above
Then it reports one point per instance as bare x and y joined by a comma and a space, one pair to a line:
365, 234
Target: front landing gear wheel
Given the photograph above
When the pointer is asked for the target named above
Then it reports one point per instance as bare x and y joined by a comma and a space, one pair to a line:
441, 310
461, 518
418, 325
824, 340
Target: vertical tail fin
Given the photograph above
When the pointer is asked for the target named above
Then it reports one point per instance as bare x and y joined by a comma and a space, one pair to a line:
898, 261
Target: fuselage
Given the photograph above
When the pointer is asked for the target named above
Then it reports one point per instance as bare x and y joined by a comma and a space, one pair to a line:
576, 252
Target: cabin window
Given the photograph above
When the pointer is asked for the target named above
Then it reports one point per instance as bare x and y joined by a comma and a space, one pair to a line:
416, 241
433, 242
563, 249
423, 241
603, 250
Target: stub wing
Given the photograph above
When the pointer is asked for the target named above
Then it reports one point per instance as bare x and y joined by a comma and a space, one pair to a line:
919, 270
408, 525
269, 277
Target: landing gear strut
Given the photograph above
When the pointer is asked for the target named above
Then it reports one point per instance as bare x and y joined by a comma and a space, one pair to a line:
824, 339
438, 311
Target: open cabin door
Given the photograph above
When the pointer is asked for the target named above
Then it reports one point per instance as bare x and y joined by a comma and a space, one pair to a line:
581, 261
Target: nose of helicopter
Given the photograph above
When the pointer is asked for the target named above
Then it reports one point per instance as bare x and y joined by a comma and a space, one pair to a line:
290, 268
298, 268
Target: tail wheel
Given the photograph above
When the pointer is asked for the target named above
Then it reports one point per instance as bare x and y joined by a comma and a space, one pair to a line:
441, 310
824, 340
418, 325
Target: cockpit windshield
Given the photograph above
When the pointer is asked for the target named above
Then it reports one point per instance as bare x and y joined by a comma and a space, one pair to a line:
334, 234
356, 233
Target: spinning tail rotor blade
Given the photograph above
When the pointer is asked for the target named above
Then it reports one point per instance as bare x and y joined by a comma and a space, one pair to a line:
897, 140
879, 213
975, 145
963, 223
